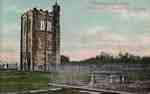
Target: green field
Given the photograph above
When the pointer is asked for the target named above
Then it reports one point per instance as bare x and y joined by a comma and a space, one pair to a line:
12, 81
20, 81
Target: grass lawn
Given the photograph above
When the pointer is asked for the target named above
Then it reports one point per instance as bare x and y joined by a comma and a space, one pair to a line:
11, 81
19, 81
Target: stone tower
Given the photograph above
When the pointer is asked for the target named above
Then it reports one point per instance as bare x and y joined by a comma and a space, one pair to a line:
40, 39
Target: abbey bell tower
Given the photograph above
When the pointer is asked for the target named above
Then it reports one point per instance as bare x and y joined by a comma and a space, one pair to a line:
40, 39
56, 28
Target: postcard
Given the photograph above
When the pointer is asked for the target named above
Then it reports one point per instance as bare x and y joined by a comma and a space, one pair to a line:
75, 47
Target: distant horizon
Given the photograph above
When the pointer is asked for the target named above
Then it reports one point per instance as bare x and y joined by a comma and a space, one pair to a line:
100, 53
87, 27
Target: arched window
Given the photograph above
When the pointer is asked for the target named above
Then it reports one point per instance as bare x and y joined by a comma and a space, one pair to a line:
48, 25
42, 25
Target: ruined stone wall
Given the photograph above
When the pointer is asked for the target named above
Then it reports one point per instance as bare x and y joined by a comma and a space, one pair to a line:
39, 40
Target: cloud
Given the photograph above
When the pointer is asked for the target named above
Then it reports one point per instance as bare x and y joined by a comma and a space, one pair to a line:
89, 42
9, 50
8, 56
10, 27
110, 33
126, 9
82, 54
8, 45
139, 14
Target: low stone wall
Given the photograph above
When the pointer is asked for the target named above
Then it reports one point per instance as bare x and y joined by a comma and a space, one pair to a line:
81, 73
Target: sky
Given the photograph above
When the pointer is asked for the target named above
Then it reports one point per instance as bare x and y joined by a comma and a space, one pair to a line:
88, 27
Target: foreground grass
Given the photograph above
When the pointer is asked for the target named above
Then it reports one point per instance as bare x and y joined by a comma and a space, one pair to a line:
19, 81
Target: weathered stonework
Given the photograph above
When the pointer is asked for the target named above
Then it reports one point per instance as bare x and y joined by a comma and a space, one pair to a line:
40, 39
